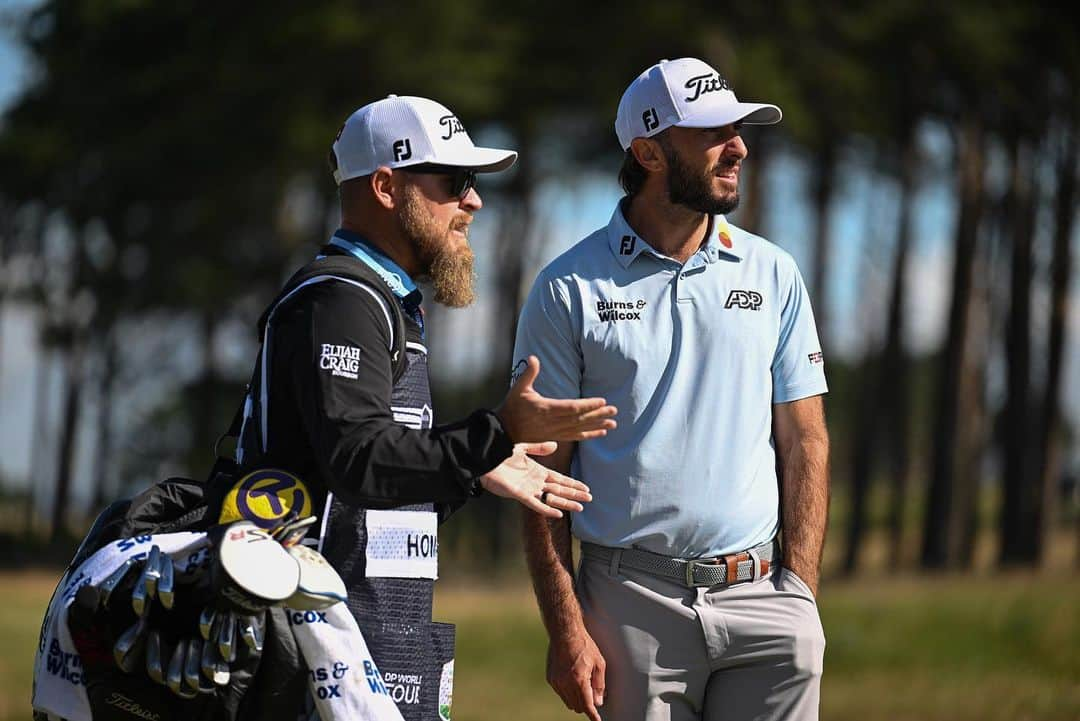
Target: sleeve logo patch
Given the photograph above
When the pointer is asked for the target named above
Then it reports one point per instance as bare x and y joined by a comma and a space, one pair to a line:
816, 358
340, 360
265, 497
518, 369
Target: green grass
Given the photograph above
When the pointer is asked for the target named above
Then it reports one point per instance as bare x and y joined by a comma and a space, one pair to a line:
927, 648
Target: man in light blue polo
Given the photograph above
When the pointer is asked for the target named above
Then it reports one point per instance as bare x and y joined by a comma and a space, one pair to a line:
702, 334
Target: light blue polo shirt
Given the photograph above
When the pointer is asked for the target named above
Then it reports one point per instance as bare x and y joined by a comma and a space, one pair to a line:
694, 356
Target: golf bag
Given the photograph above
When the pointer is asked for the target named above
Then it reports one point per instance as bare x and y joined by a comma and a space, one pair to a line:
387, 559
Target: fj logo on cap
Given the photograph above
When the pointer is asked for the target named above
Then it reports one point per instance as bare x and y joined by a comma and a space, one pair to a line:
650, 119
452, 126
748, 299
402, 150
702, 84
627, 245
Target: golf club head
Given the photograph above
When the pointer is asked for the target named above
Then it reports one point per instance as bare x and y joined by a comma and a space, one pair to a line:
206, 622
139, 601
213, 668
251, 634
174, 678
154, 662
227, 636
127, 652
165, 590
192, 664
113, 580
152, 572
293, 533
320, 585
252, 571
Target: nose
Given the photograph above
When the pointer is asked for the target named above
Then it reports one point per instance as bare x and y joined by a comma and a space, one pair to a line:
736, 146
471, 201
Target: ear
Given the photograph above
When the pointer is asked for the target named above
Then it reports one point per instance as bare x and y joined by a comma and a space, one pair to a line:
649, 154
383, 187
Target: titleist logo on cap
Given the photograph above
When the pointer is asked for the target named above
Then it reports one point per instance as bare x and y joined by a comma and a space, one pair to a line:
708, 83
132, 706
452, 126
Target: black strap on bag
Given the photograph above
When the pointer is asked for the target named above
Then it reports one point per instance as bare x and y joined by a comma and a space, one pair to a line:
330, 265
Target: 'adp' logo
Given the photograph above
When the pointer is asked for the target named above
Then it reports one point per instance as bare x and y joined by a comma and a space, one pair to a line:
749, 299
402, 150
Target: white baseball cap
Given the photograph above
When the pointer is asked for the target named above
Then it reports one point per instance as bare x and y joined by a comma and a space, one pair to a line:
687, 93
401, 131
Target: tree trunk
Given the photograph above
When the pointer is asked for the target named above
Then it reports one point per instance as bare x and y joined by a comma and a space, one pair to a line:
1018, 499
1048, 439
824, 174
104, 463
972, 435
937, 533
894, 383
863, 445
65, 457
752, 196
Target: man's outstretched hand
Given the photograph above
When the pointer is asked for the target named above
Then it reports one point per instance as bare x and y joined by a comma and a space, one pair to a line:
526, 481
529, 417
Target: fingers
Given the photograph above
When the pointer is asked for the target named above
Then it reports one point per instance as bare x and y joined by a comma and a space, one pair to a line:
588, 413
577, 693
600, 412
590, 708
566, 483
598, 681
544, 509
563, 504
540, 449
563, 496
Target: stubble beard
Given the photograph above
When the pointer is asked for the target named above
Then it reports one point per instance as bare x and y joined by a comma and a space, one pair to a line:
695, 191
448, 267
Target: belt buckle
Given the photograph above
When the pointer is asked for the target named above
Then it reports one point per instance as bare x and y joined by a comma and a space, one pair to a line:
690, 563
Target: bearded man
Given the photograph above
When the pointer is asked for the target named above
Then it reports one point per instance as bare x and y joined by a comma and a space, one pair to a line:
684, 606
340, 395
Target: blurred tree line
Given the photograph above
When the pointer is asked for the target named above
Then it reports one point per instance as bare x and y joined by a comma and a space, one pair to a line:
164, 169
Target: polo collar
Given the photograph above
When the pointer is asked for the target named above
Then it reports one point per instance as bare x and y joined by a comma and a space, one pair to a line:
356, 245
626, 244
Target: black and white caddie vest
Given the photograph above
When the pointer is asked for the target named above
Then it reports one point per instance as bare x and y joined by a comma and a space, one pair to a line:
388, 559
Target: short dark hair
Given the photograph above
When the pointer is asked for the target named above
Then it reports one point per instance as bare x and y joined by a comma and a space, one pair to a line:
631, 175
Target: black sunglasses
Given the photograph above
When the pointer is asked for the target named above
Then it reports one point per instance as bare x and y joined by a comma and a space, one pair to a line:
462, 180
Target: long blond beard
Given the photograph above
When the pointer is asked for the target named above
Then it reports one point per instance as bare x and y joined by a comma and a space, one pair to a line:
450, 270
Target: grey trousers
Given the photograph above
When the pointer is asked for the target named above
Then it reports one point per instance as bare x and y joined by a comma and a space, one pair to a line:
753, 650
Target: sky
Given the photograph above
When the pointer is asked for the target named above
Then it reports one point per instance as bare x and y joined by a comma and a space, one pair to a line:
574, 209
